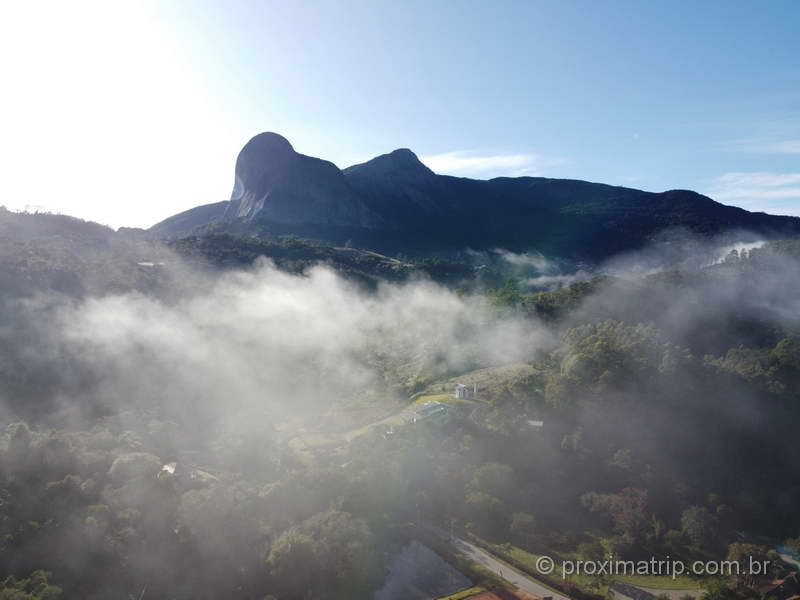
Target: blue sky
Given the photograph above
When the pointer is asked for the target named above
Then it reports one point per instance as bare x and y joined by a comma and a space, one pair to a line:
126, 113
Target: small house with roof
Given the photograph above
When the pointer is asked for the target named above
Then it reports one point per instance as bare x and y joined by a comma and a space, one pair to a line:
463, 392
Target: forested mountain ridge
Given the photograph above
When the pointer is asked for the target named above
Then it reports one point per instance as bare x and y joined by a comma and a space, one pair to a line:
57, 253
394, 203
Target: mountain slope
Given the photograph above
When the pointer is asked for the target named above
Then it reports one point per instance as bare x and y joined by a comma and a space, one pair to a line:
394, 203
189, 219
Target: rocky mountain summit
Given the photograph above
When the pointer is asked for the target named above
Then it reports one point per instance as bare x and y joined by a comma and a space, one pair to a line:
394, 203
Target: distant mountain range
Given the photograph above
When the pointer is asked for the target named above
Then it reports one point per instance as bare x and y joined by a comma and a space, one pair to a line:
394, 203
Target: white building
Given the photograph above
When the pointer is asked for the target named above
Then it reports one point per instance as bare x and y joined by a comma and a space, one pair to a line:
462, 392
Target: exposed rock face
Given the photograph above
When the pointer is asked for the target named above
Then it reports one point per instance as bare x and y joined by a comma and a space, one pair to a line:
275, 183
394, 203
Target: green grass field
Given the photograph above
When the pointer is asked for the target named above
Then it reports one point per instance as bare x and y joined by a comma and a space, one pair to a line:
464, 594
436, 398
681, 582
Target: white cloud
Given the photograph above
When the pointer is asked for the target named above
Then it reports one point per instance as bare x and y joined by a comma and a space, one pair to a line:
259, 342
767, 147
770, 192
786, 147
466, 163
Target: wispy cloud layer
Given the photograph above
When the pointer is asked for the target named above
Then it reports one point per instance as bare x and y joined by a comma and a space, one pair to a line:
766, 147
785, 147
770, 192
469, 163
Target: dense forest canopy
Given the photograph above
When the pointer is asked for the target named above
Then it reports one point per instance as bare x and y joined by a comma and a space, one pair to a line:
225, 407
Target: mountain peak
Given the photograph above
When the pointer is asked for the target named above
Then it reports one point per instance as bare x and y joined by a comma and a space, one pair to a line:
274, 183
264, 157
403, 154
267, 143
398, 163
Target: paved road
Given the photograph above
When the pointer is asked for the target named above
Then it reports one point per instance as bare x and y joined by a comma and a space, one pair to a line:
523, 582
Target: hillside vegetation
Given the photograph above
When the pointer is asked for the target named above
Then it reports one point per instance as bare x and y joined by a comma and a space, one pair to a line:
233, 418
